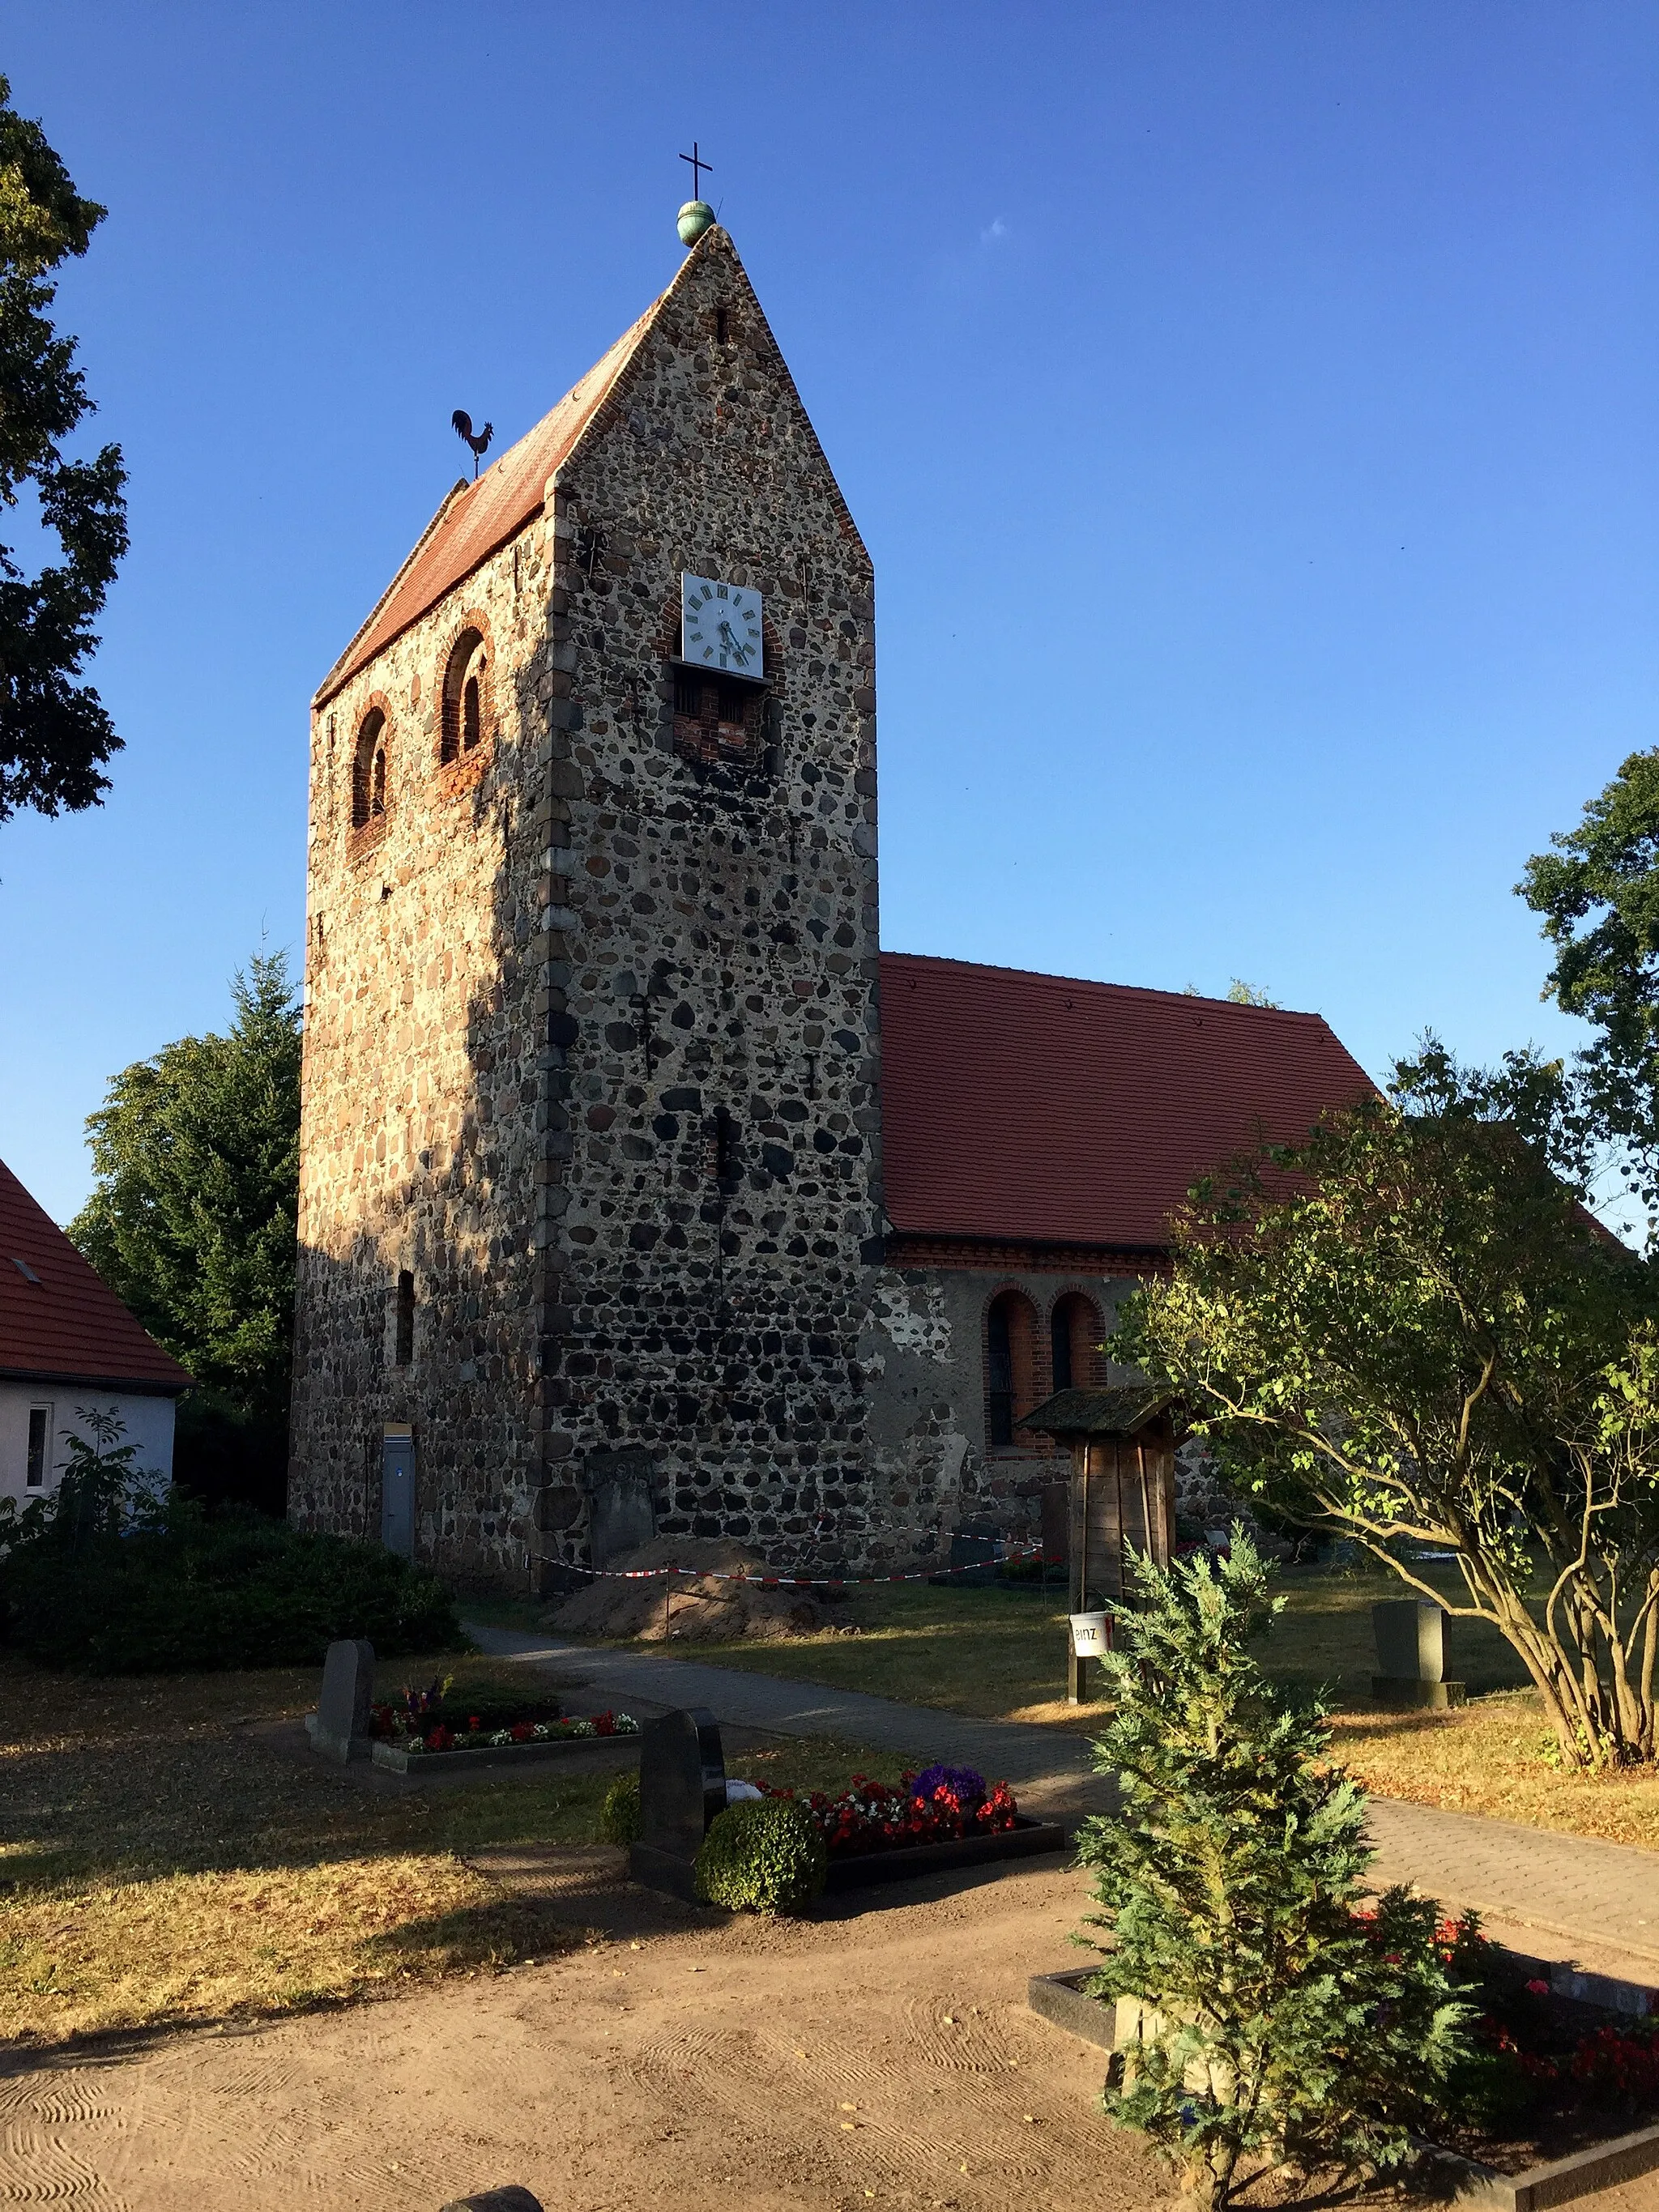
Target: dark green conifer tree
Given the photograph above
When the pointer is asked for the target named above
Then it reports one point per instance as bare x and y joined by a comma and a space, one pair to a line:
1283, 2024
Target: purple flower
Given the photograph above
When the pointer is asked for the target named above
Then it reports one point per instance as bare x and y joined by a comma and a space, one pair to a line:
961, 1781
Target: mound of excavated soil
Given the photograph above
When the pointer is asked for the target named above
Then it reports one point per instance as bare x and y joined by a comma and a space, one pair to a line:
708, 1607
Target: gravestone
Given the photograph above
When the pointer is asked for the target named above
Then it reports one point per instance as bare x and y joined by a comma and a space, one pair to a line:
681, 1788
621, 1502
339, 1727
510, 2199
1411, 1656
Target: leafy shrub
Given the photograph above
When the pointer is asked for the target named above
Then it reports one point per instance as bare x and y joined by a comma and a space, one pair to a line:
765, 1855
172, 1590
619, 1816
1284, 2023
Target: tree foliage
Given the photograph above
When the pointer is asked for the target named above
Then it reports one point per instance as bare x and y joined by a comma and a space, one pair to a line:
1280, 2023
1598, 892
1408, 1330
192, 1218
55, 733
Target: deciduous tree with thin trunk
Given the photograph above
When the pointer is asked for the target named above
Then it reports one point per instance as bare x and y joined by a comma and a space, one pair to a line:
1409, 1331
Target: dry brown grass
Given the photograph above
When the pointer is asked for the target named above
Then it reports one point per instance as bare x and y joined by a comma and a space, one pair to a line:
1490, 1758
161, 1861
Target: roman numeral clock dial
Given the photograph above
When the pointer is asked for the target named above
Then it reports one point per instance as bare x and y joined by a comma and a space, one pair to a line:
720, 626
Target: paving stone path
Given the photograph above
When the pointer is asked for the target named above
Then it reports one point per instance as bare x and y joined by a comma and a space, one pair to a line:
1603, 1896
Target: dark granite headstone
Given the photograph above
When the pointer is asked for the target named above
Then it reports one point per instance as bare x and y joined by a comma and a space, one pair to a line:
682, 1788
1410, 1655
510, 2199
342, 1715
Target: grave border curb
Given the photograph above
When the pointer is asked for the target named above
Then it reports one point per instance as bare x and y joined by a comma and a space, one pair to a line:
391, 1760
1027, 1838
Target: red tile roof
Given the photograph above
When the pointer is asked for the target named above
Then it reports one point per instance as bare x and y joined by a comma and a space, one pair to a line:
1039, 1110
58, 1319
476, 519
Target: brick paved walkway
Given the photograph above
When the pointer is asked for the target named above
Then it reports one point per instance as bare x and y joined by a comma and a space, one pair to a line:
1600, 1897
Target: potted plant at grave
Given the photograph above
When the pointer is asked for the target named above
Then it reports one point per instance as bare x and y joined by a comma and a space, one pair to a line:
1268, 2014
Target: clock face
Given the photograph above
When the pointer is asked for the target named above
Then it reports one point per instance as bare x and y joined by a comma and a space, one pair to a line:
721, 625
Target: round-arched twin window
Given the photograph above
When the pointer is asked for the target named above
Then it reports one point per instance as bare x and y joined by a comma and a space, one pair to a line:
466, 698
368, 771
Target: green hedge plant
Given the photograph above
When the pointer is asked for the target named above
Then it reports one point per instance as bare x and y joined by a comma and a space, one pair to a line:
1275, 2017
619, 1816
101, 1576
765, 1855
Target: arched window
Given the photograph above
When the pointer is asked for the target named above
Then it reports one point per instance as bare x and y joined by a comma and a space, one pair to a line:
368, 770
1075, 1330
1010, 1336
465, 702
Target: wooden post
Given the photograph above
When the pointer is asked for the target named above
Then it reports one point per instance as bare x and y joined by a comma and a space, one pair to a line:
1077, 1670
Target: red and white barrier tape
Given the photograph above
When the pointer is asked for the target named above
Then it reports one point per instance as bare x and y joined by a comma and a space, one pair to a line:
762, 1581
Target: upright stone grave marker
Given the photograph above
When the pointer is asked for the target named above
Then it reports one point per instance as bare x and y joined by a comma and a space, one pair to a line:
681, 1788
1411, 1656
339, 1727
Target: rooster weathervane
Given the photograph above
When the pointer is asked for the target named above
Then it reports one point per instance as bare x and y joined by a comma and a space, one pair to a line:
479, 439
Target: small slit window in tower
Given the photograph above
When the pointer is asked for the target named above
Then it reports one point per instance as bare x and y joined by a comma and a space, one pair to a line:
722, 325
403, 1347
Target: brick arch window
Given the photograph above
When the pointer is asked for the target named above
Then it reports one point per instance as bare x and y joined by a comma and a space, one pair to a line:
368, 788
1010, 1347
465, 706
1075, 1331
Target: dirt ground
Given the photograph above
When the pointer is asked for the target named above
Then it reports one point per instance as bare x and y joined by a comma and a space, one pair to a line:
672, 2059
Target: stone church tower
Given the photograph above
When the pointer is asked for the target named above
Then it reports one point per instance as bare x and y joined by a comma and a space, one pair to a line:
590, 1189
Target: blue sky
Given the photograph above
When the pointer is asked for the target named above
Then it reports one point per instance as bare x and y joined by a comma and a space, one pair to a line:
1251, 410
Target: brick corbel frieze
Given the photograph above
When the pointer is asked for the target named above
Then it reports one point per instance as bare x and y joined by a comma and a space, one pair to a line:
995, 1256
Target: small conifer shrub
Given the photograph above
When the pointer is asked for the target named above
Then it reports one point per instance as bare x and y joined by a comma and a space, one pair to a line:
1287, 2020
763, 1855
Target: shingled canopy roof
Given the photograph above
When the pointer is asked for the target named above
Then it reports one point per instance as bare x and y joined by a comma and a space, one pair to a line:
60, 1322
1122, 1412
1033, 1109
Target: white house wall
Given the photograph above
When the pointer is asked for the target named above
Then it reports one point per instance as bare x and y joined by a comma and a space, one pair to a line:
149, 1424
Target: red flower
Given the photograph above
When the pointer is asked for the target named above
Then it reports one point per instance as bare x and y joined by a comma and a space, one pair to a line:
522, 1731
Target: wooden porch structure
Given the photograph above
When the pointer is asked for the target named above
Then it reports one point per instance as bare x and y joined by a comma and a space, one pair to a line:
1121, 1497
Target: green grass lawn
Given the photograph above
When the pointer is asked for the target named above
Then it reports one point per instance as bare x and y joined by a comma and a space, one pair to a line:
1000, 1651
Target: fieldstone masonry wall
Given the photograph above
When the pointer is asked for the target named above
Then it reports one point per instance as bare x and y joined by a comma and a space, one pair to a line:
592, 1044
593, 1040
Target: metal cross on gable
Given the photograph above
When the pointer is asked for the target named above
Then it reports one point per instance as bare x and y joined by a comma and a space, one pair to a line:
698, 165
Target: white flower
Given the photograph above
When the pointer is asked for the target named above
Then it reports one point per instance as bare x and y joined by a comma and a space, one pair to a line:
583, 1727
626, 1724
541, 1732
415, 1743
501, 1737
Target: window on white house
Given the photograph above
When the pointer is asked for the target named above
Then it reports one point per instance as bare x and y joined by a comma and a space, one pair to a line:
34, 1477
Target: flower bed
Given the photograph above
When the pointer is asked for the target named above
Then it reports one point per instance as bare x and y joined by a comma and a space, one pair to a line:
943, 1818
940, 1805
423, 1726
1564, 2074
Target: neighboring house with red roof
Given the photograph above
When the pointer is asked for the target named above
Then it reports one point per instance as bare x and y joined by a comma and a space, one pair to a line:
67, 1343
639, 1189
